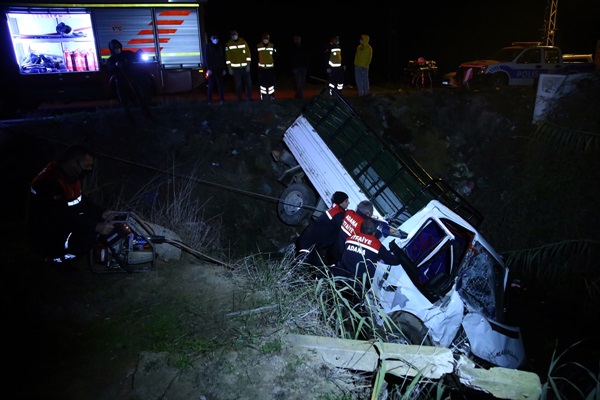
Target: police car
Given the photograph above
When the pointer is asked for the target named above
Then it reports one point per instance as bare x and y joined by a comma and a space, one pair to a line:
518, 65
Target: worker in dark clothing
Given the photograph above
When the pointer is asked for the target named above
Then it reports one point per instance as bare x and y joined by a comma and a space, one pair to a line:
362, 251
63, 223
300, 61
216, 68
132, 87
316, 240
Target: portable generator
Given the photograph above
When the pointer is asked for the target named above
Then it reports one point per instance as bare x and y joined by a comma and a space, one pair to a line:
127, 249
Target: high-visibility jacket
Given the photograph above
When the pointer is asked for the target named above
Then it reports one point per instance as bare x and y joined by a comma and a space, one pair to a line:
237, 53
265, 55
335, 56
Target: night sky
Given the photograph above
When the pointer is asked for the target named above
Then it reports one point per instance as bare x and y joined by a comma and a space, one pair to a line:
402, 31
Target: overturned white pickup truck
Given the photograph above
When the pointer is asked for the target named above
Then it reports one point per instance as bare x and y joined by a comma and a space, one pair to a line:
449, 289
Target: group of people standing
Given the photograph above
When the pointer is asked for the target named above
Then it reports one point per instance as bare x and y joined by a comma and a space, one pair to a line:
346, 242
235, 58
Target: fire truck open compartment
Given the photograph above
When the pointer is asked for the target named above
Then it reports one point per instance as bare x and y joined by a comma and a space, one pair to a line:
60, 52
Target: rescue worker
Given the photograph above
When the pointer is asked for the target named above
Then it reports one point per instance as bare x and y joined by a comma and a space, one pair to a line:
64, 223
132, 87
351, 225
238, 59
362, 251
266, 68
316, 240
335, 68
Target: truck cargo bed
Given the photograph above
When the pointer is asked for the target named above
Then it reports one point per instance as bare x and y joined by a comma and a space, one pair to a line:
336, 148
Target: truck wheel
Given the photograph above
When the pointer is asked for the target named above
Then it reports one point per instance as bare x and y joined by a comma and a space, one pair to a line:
294, 202
407, 329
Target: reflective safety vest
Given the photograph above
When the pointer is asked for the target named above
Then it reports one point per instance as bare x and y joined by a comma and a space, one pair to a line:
335, 57
265, 55
237, 54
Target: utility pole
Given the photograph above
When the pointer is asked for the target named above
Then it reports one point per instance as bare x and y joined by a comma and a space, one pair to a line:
549, 28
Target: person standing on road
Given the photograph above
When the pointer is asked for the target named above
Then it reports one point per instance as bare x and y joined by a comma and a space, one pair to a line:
266, 67
238, 60
215, 68
317, 239
63, 223
362, 60
300, 62
335, 68
132, 88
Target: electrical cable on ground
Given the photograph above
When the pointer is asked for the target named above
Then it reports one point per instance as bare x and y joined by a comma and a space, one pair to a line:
153, 238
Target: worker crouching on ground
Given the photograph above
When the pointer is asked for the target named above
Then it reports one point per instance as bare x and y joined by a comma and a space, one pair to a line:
63, 223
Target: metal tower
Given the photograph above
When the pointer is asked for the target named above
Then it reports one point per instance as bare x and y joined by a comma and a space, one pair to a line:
549, 28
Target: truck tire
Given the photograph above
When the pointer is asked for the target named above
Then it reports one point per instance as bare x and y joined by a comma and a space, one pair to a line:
296, 203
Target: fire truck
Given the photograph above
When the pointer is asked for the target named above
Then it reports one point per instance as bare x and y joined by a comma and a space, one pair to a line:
58, 51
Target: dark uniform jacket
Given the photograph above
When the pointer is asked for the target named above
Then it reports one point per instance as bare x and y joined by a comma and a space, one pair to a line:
360, 256
215, 58
60, 214
321, 233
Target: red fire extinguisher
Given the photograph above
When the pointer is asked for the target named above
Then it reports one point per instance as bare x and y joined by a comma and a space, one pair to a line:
79, 61
68, 60
90, 58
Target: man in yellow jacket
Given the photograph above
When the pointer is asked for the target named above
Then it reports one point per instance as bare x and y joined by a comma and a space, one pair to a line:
238, 58
362, 60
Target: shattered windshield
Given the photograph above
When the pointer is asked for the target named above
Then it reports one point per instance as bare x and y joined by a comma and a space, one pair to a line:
481, 283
